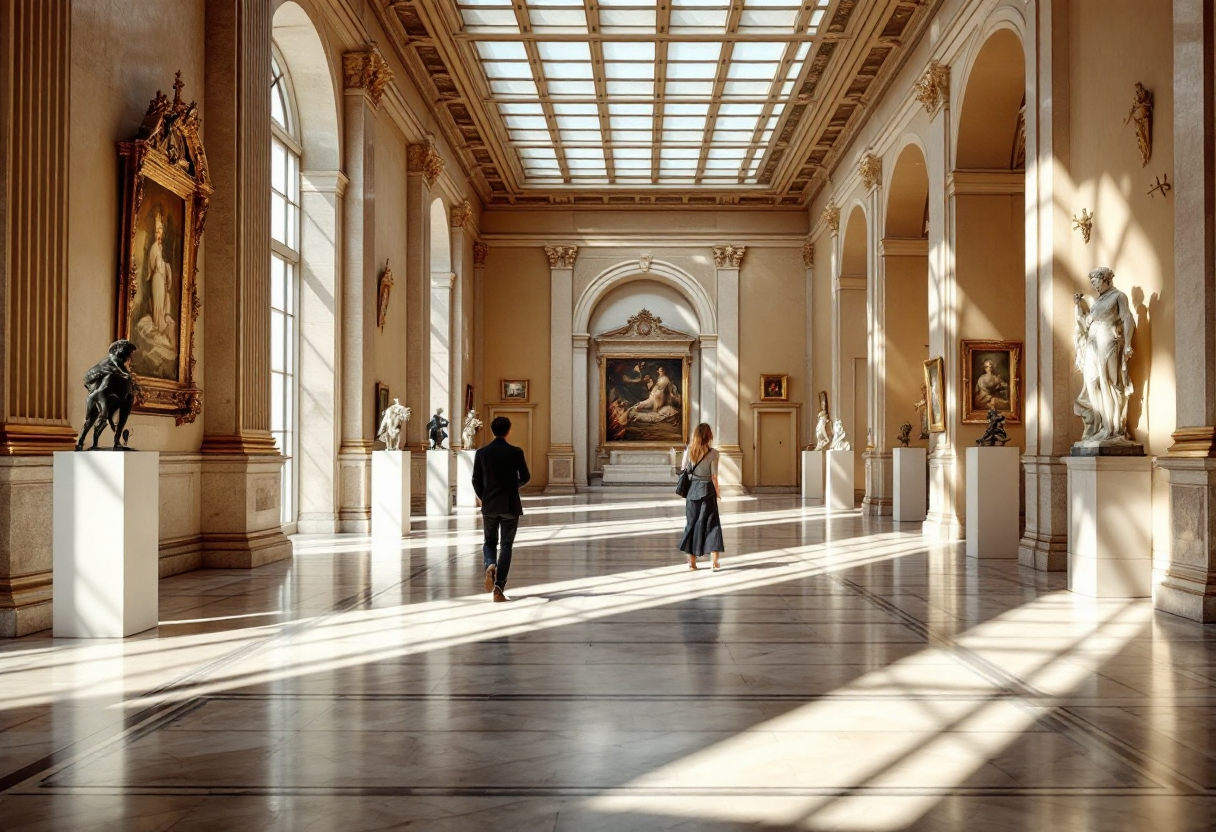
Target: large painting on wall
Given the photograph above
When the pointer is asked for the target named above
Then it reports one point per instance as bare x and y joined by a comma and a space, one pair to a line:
644, 400
992, 377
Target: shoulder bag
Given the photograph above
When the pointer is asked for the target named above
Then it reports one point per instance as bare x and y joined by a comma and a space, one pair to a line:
684, 483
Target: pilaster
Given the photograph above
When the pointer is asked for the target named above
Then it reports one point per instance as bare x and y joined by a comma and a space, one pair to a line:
561, 368
460, 217
878, 460
808, 363
481, 253
728, 260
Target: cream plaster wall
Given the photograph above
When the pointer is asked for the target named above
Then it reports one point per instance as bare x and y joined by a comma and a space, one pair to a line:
822, 303
389, 344
907, 340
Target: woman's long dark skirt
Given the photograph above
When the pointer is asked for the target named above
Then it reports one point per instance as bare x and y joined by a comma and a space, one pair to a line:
702, 527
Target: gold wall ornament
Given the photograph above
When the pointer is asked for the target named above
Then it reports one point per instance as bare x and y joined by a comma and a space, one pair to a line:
932, 90
480, 252
831, 216
729, 257
1084, 224
166, 188
870, 168
644, 263
462, 214
1163, 186
425, 159
561, 257
808, 254
386, 287
366, 69
1141, 113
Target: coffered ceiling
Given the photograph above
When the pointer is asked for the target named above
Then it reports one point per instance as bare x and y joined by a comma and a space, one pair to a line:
650, 102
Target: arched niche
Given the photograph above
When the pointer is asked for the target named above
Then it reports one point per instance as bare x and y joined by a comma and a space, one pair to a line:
991, 128
850, 333
442, 282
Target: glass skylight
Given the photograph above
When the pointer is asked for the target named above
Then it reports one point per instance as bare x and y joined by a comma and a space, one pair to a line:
638, 92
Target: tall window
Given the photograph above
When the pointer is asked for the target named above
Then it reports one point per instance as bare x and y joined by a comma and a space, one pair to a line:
284, 274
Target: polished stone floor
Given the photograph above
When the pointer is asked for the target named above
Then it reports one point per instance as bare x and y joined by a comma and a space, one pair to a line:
838, 674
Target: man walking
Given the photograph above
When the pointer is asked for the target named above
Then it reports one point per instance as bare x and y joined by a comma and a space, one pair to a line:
499, 471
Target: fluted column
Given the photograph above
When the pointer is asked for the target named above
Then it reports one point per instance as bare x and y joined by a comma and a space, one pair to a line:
1189, 586
462, 215
241, 467
481, 253
877, 454
728, 259
581, 343
561, 369
808, 364
34, 418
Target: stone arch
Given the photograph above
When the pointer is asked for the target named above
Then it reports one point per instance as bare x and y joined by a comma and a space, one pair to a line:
660, 271
440, 325
314, 84
992, 101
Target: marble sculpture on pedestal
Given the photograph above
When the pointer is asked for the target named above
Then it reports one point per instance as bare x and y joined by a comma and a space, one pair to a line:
471, 425
822, 437
390, 425
1103, 338
839, 441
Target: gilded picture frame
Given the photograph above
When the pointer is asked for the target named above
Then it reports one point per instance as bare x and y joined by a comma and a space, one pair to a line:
935, 393
774, 387
382, 400
165, 191
513, 390
991, 377
637, 409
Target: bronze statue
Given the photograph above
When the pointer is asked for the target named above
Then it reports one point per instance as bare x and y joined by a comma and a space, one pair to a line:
996, 430
112, 392
435, 428
905, 433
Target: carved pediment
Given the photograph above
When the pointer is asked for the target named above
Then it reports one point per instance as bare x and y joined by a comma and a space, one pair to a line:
645, 326
171, 127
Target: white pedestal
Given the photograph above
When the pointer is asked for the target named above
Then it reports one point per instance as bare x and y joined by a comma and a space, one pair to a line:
838, 495
812, 477
909, 502
390, 494
466, 497
642, 467
992, 502
106, 533
438, 483
1109, 534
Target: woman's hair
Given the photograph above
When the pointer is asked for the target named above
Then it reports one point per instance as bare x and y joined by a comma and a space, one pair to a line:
699, 446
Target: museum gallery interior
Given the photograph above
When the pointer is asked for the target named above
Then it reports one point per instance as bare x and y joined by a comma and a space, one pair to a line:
939, 275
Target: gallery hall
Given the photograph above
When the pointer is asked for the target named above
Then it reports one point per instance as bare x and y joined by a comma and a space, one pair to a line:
376, 374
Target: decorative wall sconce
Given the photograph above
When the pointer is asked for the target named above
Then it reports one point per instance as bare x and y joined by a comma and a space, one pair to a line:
386, 286
1084, 224
1163, 185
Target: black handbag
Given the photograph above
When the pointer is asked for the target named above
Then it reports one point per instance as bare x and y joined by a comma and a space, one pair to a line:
684, 483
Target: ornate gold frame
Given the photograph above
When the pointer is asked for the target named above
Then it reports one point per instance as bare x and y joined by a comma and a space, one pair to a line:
780, 378
936, 394
686, 365
168, 152
973, 416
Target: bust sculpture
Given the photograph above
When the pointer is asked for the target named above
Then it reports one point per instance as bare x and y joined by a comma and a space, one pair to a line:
435, 429
111, 396
995, 433
471, 425
839, 441
390, 425
1103, 339
905, 434
822, 436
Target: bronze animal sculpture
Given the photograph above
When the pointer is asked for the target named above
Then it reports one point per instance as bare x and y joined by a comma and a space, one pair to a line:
112, 390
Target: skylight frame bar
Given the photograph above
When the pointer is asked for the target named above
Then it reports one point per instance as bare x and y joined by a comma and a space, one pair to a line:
715, 101
662, 27
542, 88
774, 95
601, 86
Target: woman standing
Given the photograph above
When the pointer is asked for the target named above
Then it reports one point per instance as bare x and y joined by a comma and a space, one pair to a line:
702, 526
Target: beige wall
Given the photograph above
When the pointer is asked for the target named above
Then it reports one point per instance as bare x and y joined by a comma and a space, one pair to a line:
907, 337
390, 343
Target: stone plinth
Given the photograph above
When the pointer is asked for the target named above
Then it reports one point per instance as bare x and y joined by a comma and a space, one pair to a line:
1110, 553
812, 477
106, 543
642, 468
466, 497
390, 494
438, 483
838, 494
992, 502
911, 481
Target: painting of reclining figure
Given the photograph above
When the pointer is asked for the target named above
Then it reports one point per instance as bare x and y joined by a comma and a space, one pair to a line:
644, 400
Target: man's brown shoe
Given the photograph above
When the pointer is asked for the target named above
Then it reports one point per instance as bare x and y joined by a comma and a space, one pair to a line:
500, 596
491, 574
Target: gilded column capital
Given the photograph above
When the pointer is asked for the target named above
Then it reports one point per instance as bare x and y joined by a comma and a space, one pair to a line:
461, 214
831, 216
729, 257
480, 252
366, 69
561, 257
870, 168
808, 254
425, 159
933, 88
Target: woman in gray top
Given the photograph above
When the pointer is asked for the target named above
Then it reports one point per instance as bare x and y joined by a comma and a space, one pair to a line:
702, 525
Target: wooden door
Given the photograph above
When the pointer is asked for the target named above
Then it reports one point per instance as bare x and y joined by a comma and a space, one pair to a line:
777, 448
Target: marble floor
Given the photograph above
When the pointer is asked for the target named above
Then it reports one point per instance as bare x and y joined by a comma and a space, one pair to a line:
839, 674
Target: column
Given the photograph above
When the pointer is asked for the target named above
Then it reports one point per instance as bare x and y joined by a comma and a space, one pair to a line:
728, 259
241, 466
582, 446
34, 419
1189, 586
878, 461
461, 216
944, 520
481, 393
561, 368
1049, 310
709, 381
442, 284
808, 367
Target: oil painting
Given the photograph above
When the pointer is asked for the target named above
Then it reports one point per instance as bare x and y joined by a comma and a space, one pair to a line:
644, 400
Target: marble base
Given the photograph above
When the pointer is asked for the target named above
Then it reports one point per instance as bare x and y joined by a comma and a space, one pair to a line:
438, 483
105, 550
1110, 549
641, 468
838, 493
390, 494
466, 497
812, 477
992, 502
911, 482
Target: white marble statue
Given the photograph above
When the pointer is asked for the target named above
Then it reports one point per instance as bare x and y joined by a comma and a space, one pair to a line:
839, 441
471, 425
822, 438
390, 425
1103, 339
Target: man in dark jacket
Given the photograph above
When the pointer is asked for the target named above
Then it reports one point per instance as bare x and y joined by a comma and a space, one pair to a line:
499, 471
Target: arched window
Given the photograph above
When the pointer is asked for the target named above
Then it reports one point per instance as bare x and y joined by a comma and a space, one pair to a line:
284, 276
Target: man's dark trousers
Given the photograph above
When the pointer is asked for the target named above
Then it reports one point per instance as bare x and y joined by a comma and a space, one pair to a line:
500, 530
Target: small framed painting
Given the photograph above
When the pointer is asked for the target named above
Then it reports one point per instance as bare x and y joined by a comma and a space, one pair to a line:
774, 387
382, 399
935, 386
514, 390
992, 378
468, 398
